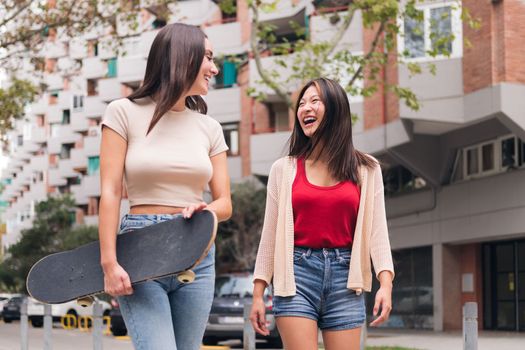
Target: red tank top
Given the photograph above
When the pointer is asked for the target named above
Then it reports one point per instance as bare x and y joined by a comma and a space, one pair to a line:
324, 217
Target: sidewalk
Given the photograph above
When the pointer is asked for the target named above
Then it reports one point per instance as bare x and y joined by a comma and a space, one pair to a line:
429, 340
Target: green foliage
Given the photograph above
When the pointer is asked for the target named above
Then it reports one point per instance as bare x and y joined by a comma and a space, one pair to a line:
13, 100
238, 238
52, 231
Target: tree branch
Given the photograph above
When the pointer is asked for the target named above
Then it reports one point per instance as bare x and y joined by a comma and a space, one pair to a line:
16, 13
257, 56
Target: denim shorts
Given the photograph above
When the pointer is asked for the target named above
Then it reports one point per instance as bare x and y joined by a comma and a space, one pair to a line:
165, 314
321, 276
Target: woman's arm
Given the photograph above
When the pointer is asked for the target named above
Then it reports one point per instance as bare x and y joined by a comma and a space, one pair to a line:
258, 311
220, 191
112, 155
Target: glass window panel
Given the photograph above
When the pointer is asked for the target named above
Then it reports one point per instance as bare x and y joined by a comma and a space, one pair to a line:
521, 256
93, 165
505, 257
506, 315
506, 287
487, 153
472, 161
441, 29
521, 287
522, 161
508, 152
414, 37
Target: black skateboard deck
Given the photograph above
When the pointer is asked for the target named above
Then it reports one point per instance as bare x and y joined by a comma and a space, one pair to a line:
171, 247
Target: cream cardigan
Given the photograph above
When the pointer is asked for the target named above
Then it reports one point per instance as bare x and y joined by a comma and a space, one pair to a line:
275, 255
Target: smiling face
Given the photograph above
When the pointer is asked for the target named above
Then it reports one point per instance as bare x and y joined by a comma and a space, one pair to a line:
207, 70
310, 111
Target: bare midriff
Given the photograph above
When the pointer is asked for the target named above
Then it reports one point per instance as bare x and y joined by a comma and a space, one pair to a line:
155, 209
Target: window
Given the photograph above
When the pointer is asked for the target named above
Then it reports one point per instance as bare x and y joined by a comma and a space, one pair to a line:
231, 135
66, 117
112, 68
93, 165
227, 76
440, 31
92, 87
78, 103
65, 151
20, 140
489, 157
399, 179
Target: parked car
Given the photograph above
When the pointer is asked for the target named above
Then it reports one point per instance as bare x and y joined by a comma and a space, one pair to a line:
226, 319
4, 298
35, 311
11, 310
117, 326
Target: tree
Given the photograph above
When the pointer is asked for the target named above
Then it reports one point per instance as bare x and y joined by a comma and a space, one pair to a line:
27, 26
52, 231
238, 238
323, 58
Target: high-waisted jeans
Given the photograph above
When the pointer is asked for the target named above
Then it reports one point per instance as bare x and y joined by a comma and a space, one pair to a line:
165, 314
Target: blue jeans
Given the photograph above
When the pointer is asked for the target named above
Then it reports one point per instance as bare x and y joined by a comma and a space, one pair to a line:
165, 314
321, 294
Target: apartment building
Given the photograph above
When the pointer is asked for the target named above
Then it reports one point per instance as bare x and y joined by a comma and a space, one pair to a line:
453, 170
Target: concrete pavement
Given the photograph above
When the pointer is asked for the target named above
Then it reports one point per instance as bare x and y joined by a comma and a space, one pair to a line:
429, 340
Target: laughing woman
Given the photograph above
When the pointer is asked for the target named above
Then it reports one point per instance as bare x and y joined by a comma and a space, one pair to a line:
161, 140
324, 223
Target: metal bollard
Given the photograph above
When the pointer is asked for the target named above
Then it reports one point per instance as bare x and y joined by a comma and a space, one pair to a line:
23, 325
364, 334
48, 326
470, 326
97, 326
248, 334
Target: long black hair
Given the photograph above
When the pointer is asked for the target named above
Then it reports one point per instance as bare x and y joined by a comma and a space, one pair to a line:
174, 62
333, 136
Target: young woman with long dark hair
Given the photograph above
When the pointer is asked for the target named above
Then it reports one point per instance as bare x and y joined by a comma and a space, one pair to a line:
161, 140
325, 220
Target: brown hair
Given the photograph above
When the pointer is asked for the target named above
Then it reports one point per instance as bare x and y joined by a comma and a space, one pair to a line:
174, 62
334, 134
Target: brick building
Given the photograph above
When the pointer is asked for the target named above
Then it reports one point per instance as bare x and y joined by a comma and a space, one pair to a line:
453, 171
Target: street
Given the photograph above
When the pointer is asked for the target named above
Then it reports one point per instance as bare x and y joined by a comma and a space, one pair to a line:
67, 339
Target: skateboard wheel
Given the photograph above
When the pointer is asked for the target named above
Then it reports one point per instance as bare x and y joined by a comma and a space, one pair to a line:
186, 276
85, 302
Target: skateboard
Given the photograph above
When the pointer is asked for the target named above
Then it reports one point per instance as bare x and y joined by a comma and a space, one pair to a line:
172, 247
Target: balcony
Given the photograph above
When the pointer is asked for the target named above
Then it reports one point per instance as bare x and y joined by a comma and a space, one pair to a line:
93, 106
131, 69
105, 48
39, 163
269, 63
109, 89
54, 178
65, 166
92, 146
38, 134
54, 81
54, 114
224, 105
235, 168
78, 195
266, 149
226, 38
91, 185
38, 192
93, 67
286, 9
65, 99
322, 30
79, 122
54, 49
146, 39
193, 12
78, 49
78, 159
40, 106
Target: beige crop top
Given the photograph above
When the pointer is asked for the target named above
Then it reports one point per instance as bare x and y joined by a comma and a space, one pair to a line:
171, 166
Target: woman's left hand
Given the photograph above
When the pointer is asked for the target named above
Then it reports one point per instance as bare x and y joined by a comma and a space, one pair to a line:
383, 302
188, 211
